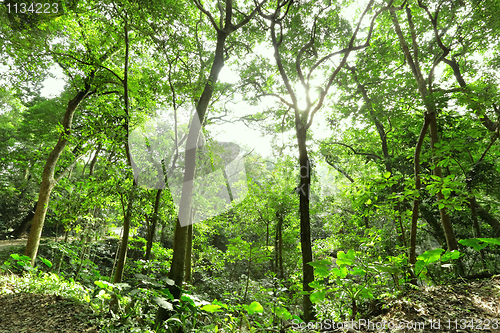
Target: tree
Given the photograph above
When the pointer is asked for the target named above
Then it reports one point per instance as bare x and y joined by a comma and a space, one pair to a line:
86, 85
223, 30
285, 26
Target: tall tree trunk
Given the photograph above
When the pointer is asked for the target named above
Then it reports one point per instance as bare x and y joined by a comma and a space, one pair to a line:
416, 201
225, 28
189, 250
128, 214
180, 234
120, 265
305, 221
48, 181
279, 249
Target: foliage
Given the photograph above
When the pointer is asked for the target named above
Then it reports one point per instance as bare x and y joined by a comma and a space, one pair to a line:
374, 196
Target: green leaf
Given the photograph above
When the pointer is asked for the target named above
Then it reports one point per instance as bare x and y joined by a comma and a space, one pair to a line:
162, 302
283, 313
358, 271
455, 254
430, 256
168, 281
222, 305
317, 285
211, 308
343, 272
387, 174
104, 285
351, 254
475, 243
253, 308
420, 266
318, 296
21, 257
46, 262
321, 267
345, 259
495, 241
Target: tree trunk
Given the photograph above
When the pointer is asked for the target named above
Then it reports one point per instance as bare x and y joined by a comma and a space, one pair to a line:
488, 218
120, 265
48, 181
280, 247
152, 229
128, 215
94, 160
189, 252
25, 223
305, 221
180, 234
416, 201
431, 114
445, 217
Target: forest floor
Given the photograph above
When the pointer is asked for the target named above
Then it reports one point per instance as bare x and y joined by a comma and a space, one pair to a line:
6, 244
463, 307
469, 306
38, 313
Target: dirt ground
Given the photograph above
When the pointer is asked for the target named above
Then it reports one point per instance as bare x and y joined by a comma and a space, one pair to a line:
6, 244
37, 313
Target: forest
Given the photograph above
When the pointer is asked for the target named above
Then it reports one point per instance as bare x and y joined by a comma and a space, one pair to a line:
250, 166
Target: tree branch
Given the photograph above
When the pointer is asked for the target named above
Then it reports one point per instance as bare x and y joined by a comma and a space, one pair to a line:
354, 150
207, 14
350, 48
339, 169
249, 17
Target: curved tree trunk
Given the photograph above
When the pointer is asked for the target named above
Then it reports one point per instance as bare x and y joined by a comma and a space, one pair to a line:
48, 181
